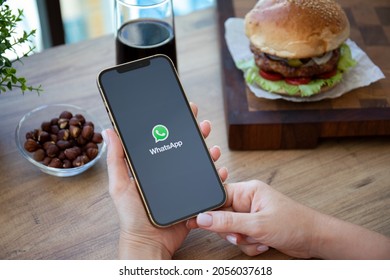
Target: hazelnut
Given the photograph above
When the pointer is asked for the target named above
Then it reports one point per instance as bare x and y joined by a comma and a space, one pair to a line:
47, 144
43, 136
80, 160
97, 138
92, 153
90, 124
87, 132
54, 129
53, 138
30, 135
31, 145
46, 126
77, 162
39, 155
35, 134
90, 145
72, 153
52, 151
63, 144
54, 121
74, 121
81, 141
74, 131
66, 115
85, 159
67, 163
72, 142
63, 134
46, 161
81, 118
56, 163
61, 155
63, 123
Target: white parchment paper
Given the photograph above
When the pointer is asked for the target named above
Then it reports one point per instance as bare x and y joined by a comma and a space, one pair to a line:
364, 73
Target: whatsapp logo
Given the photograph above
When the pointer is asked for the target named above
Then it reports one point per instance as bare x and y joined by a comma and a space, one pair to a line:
160, 132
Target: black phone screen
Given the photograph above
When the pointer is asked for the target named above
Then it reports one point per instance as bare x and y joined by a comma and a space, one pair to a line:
166, 150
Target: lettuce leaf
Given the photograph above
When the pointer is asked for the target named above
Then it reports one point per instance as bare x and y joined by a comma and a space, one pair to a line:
346, 61
251, 75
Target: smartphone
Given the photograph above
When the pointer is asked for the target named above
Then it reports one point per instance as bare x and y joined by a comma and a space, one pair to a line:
163, 144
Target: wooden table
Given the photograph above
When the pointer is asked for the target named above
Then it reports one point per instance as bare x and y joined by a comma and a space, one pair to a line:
45, 217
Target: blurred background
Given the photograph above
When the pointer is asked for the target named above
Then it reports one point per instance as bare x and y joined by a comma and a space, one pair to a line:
70, 21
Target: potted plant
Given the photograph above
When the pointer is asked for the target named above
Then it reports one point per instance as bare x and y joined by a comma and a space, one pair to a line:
8, 41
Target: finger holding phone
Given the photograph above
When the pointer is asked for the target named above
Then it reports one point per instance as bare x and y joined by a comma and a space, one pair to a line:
139, 239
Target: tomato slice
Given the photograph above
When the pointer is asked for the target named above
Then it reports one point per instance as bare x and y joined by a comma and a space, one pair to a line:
327, 75
272, 76
298, 81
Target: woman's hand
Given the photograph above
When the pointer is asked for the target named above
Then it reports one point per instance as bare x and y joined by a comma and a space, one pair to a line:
139, 239
257, 217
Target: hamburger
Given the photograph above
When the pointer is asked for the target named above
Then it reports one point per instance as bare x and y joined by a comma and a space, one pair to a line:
298, 45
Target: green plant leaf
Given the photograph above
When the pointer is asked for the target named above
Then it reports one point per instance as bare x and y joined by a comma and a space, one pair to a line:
8, 40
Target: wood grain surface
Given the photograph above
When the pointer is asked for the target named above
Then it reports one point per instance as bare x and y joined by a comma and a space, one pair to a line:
45, 217
258, 123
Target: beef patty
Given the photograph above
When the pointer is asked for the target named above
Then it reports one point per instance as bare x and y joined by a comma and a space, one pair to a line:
308, 69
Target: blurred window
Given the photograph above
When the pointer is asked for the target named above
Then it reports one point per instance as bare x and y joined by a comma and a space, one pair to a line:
82, 19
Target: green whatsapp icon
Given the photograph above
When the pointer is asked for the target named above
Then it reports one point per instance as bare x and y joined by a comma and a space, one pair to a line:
160, 132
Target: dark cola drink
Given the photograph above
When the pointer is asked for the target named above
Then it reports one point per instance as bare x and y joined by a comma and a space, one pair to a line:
141, 38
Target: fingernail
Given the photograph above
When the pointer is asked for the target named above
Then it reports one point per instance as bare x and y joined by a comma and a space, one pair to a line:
105, 136
204, 220
224, 169
232, 239
262, 248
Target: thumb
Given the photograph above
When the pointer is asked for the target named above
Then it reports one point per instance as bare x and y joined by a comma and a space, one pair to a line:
225, 221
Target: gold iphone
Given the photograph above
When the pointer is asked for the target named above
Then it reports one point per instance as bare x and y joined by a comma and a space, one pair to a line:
164, 147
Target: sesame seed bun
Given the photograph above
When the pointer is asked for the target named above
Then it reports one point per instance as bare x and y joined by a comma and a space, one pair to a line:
296, 28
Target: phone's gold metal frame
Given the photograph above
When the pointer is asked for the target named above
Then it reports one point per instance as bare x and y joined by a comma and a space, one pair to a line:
102, 94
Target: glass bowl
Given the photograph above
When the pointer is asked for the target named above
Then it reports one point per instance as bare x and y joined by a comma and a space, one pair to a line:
33, 121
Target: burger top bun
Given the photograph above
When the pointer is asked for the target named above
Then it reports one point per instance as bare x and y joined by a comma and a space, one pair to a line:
296, 28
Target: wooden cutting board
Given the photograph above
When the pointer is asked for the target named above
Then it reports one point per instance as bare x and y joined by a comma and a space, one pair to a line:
258, 123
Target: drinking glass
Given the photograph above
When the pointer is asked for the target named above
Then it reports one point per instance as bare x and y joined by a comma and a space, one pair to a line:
144, 28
